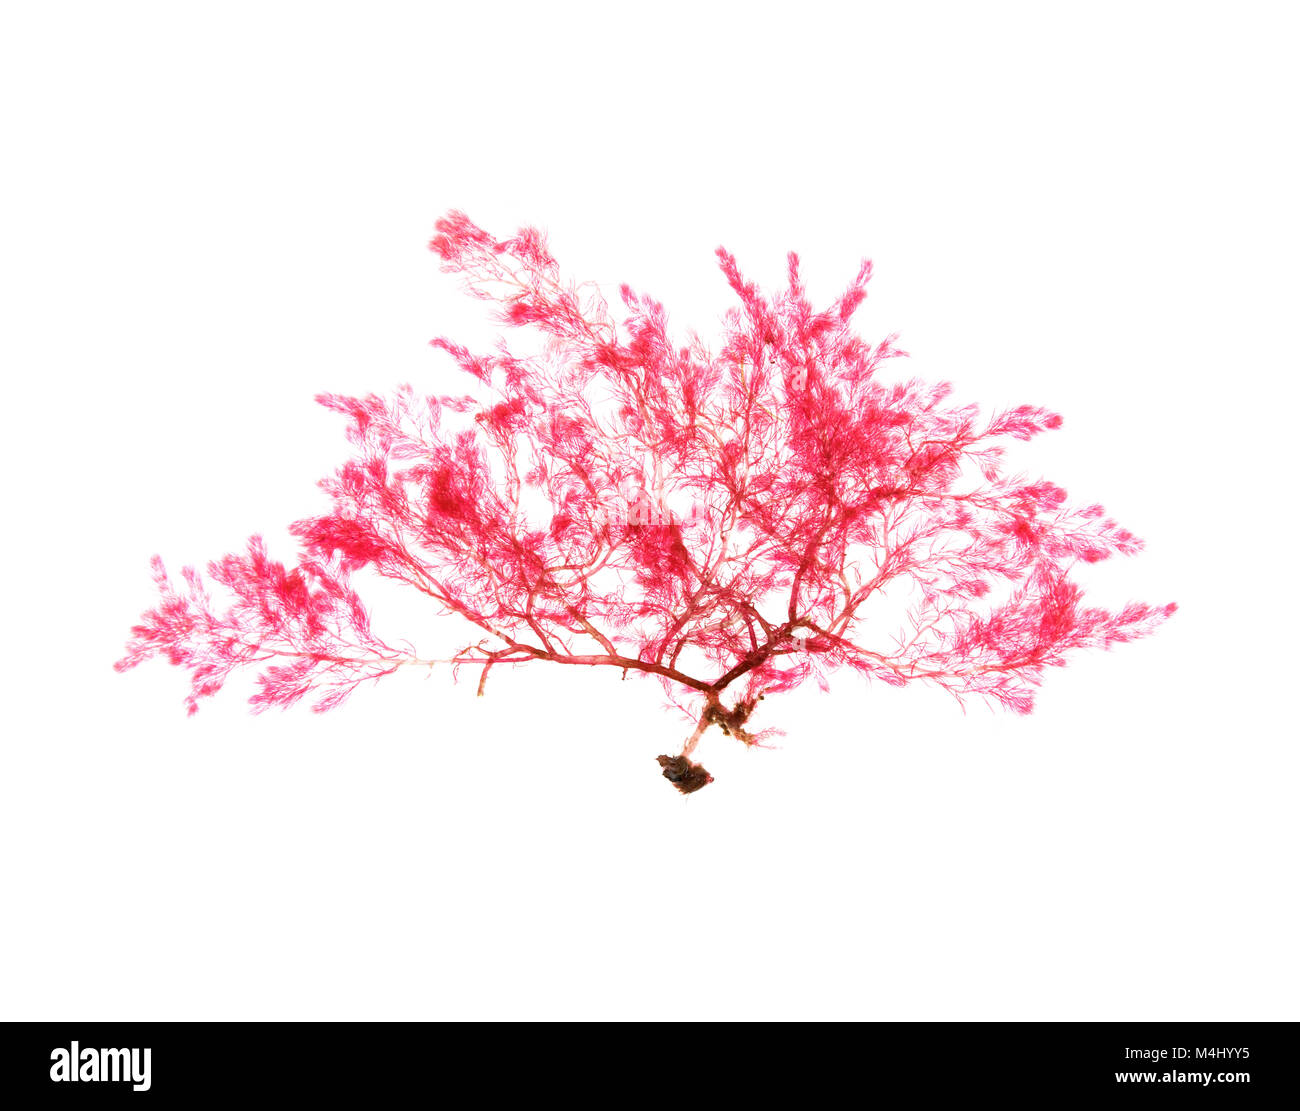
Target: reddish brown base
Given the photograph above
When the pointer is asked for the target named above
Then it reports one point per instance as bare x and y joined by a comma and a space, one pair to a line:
684, 775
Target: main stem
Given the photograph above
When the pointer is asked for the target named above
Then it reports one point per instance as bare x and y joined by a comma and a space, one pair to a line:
706, 719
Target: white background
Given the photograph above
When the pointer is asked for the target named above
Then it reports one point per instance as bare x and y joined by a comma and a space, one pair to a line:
214, 211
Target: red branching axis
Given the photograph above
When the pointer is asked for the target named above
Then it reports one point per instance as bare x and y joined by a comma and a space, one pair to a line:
723, 520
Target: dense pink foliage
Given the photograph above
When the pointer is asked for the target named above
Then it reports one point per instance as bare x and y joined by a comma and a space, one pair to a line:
722, 519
